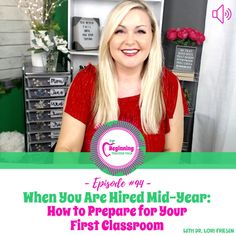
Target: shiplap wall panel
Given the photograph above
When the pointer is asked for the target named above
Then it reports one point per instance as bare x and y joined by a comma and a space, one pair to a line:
13, 51
12, 73
14, 39
12, 13
8, 2
13, 26
10, 63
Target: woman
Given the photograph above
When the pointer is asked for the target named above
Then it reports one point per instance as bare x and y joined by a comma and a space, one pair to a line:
129, 84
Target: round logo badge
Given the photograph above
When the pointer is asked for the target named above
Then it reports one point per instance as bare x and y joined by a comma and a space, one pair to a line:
117, 148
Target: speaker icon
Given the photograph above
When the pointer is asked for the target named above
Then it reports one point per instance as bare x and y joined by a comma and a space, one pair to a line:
220, 14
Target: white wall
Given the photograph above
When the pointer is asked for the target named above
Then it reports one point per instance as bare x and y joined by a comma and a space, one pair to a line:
14, 39
215, 116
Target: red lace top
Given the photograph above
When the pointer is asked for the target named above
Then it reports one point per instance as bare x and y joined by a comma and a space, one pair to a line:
79, 105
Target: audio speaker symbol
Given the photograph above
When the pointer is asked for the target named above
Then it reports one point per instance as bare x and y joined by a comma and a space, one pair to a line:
220, 14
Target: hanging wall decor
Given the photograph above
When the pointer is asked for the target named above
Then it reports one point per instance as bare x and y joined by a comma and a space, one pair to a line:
86, 33
185, 57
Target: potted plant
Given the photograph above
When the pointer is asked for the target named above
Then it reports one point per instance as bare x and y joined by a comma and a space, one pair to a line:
43, 26
41, 13
50, 44
185, 36
181, 48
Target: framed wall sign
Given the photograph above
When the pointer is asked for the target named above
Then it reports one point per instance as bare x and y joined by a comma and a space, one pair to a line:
185, 57
86, 33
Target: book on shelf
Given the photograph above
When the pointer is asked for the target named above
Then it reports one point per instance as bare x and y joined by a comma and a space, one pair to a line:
186, 76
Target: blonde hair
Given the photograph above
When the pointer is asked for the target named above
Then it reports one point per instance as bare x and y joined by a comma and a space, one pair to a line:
151, 103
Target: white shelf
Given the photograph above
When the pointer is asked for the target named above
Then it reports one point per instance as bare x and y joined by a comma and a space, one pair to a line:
85, 53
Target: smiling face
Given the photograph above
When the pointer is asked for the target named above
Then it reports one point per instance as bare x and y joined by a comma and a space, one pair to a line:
131, 42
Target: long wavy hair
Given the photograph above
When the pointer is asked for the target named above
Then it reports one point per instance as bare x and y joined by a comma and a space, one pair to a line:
151, 102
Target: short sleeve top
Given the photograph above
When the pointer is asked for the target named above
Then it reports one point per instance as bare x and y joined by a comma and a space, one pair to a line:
80, 105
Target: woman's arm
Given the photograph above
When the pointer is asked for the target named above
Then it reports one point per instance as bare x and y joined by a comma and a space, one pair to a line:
174, 139
71, 135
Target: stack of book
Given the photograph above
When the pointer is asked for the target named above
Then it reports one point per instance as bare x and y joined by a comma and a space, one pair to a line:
185, 76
